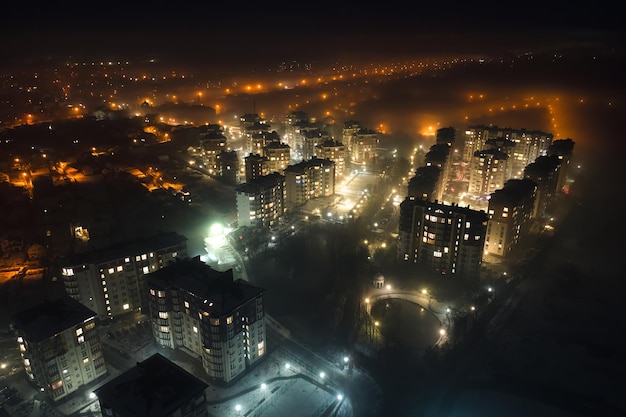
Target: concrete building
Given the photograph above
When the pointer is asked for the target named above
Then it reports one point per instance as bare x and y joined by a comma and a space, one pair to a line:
256, 165
334, 151
60, 346
510, 213
312, 138
261, 201
109, 282
227, 166
310, 179
155, 387
212, 144
278, 156
545, 172
210, 316
488, 172
364, 148
447, 238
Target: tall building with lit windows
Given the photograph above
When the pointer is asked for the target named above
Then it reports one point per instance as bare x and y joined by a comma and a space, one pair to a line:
212, 145
488, 171
198, 310
510, 213
278, 156
336, 152
109, 282
447, 238
261, 201
60, 346
256, 166
309, 179
364, 147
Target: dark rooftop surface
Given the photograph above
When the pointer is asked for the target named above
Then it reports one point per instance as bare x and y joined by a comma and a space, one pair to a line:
155, 387
51, 317
221, 292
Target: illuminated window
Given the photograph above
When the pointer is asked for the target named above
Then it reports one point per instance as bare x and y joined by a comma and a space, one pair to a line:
127, 260
465, 236
145, 270
120, 268
186, 304
437, 254
126, 306
85, 360
229, 320
163, 314
144, 257
195, 329
79, 331
81, 339
111, 270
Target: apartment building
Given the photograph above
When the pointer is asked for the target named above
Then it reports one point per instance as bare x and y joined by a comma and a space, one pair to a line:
510, 213
334, 151
309, 179
109, 281
204, 312
278, 156
261, 201
60, 346
447, 238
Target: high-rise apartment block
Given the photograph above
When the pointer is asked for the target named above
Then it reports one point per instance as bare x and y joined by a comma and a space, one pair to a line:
194, 308
446, 238
488, 171
334, 151
257, 165
364, 147
510, 213
261, 201
278, 156
60, 346
212, 144
310, 179
109, 282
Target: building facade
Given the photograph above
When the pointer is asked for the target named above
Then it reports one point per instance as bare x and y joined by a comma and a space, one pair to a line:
334, 151
109, 282
197, 309
309, 179
447, 238
60, 346
510, 213
261, 202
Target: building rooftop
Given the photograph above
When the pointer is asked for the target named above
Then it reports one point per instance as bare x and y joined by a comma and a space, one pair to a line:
116, 252
153, 388
48, 318
216, 288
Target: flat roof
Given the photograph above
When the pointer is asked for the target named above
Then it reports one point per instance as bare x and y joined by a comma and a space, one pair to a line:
155, 387
48, 318
216, 288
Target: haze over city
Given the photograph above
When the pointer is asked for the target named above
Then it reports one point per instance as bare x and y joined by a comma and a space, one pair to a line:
407, 77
